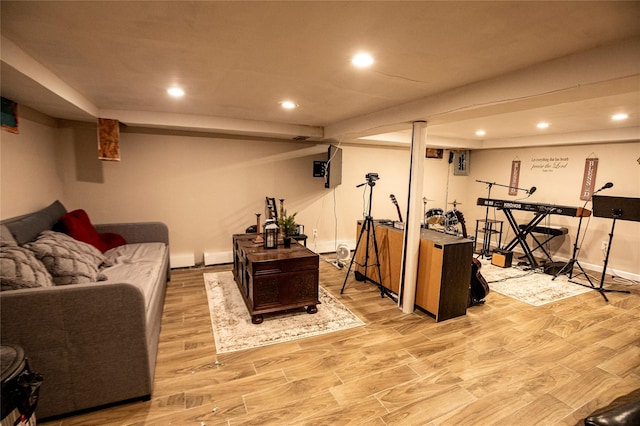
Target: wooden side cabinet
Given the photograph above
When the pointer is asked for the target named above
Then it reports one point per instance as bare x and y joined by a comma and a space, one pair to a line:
444, 274
444, 268
389, 252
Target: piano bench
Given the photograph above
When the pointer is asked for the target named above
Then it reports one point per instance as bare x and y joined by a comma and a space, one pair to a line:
554, 231
549, 231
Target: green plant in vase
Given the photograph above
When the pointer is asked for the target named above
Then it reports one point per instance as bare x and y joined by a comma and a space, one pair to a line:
288, 226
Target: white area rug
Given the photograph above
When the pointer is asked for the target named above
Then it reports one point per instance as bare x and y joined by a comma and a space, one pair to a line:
534, 288
233, 330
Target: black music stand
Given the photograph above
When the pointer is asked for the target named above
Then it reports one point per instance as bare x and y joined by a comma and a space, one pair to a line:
622, 208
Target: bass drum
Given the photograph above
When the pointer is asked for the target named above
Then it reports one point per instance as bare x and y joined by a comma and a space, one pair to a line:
434, 216
451, 218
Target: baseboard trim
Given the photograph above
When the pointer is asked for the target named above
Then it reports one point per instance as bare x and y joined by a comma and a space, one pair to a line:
217, 258
321, 247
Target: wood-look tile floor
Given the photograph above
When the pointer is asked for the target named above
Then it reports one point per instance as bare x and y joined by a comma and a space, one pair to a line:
504, 363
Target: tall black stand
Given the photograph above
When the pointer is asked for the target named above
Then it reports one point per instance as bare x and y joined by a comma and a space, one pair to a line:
618, 208
568, 267
368, 229
616, 215
486, 240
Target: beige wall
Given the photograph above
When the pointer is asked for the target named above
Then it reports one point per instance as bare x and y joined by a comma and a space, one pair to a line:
207, 188
559, 182
29, 165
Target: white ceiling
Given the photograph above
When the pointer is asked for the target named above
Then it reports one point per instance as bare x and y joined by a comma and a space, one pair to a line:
500, 66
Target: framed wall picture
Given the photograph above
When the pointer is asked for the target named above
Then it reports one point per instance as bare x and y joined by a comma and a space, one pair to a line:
9, 116
434, 153
108, 139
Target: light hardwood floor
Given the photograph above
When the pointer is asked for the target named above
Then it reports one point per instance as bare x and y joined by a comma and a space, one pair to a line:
504, 363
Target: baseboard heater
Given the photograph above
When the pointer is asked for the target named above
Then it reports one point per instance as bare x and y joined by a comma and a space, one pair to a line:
186, 260
217, 258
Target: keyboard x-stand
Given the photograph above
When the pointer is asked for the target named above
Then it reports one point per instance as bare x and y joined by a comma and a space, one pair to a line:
540, 212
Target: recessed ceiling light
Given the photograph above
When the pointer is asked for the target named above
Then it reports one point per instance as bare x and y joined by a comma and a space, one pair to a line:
542, 125
176, 92
620, 116
362, 60
288, 104
480, 133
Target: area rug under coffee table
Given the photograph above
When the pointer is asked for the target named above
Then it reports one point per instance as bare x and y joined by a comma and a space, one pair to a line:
233, 330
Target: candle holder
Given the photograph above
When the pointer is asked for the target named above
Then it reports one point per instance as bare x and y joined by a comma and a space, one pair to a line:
259, 239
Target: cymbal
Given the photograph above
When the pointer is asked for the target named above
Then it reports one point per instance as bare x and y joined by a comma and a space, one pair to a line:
456, 203
427, 199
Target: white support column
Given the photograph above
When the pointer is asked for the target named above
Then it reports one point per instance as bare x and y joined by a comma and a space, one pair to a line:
414, 211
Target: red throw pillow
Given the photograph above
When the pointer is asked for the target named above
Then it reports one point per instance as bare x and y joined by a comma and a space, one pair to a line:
77, 225
111, 240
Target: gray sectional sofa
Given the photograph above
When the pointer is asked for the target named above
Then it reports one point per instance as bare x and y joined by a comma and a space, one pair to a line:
95, 343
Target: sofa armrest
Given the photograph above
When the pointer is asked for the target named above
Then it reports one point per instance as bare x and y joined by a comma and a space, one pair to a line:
81, 338
140, 232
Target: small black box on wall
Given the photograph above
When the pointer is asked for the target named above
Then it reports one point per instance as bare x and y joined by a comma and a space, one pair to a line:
319, 168
502, 258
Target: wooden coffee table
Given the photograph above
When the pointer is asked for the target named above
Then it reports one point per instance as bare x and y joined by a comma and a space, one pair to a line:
272, 280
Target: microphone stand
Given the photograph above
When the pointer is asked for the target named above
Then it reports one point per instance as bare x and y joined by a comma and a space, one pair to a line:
528, 191
486, 241
568, 267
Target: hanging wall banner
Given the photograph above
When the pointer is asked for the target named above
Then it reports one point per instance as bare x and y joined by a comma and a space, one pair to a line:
515, 177
108, 139
589, 178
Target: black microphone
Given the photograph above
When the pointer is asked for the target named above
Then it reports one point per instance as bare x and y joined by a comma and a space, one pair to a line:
606, 186
532, 190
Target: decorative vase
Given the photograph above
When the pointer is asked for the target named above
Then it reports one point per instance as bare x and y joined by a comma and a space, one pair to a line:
287, 242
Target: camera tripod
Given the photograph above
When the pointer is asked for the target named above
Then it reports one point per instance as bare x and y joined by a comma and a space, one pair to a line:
368, 228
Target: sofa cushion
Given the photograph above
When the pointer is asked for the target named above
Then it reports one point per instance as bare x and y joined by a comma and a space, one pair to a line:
26, 228
78, 225
69, 261
138, 264
111, 240
19, 268
6, 235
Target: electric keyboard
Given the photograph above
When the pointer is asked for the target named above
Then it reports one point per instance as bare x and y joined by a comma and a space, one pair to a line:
522, 231
535, 207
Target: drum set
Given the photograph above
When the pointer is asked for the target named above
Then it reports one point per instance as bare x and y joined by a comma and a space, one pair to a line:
440, 220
